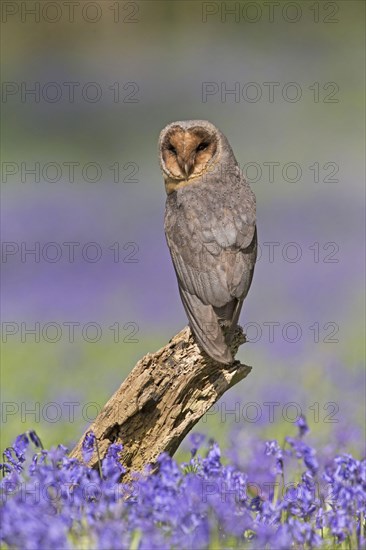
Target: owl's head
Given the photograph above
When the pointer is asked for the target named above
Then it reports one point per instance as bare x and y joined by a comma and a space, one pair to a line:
187, 149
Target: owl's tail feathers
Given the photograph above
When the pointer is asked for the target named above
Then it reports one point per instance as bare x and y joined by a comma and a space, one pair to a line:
206, 329
237, 305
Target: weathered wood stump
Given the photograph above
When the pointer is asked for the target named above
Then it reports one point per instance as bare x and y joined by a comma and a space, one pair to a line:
161, 400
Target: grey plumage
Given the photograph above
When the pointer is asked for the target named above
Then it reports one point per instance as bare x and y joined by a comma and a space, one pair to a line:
210, 227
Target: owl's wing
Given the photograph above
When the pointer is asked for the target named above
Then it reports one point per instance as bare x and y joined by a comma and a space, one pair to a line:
213, 251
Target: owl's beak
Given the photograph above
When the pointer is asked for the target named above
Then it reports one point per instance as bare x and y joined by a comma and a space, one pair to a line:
186, 165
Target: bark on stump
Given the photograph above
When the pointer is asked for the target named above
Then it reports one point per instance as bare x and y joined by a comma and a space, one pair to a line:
161, 400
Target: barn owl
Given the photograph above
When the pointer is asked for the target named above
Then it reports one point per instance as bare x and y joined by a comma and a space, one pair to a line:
210, 227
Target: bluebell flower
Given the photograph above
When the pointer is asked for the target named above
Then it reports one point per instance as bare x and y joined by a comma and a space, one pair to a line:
273, 449
308, 454
112, 468
212, 463
52, 501
20, 445
35, 439
302, 425
88, 446
196, 440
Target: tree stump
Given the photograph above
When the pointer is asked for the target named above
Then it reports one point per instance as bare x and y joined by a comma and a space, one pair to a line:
160, 401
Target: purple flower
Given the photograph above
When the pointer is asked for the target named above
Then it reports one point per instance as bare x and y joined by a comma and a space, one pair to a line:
273, 449
212, 463
302, 425
196, 440
20, 446
52, 501
88, 446
13, 461
303, 533
340, 524
35, 439
306, 453
112, 469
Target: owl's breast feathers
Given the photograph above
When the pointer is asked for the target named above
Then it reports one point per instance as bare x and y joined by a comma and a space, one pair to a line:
211, 233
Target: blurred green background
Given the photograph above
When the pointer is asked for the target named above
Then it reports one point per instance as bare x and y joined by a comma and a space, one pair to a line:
133, 67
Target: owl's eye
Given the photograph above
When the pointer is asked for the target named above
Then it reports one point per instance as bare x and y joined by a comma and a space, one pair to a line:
202, 146
172, 149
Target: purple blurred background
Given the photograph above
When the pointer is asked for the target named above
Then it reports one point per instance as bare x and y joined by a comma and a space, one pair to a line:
164, 60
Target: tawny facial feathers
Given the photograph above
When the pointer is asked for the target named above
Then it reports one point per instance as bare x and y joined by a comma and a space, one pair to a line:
186, 154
